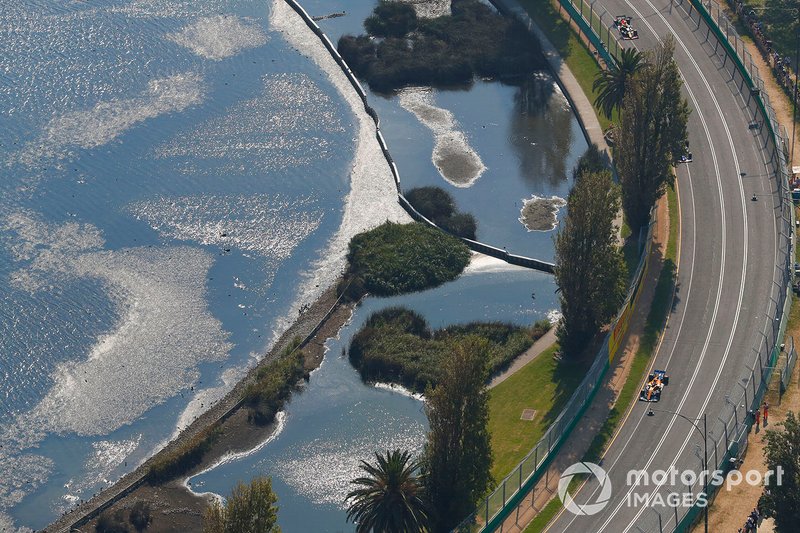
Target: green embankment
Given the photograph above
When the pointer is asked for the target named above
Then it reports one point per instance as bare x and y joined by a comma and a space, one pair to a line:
545, 385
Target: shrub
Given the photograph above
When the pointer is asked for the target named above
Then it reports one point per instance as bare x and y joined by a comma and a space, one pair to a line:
391, 19
431, 202
461, 224
436, 204
111, 523
179, 461
273, 385
358, 53
140, 516
397, 345
400, 258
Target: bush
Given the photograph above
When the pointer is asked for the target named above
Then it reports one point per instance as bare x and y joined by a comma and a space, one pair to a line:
436, 204
401, 258
358, 53
273, 385
140, 516
444, 51
431, 202
397, 345
391, 19
461, 224
179, 461
111, 523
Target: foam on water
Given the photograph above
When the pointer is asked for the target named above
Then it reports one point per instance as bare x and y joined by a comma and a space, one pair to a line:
219, 37
90, 128
457, 162
373, 196
20, 475
106, 457
481, 264
289, 124
205, 398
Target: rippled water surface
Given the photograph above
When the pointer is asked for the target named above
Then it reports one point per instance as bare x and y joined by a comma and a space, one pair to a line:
172, 172
175, 178
337, 420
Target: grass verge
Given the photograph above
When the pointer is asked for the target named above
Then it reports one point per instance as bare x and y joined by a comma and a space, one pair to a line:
656, 320
545, 385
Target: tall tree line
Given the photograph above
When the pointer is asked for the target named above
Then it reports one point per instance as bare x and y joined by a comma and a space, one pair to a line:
651, 132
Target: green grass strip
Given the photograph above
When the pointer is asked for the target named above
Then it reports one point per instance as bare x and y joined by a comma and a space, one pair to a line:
656, 319
545, 385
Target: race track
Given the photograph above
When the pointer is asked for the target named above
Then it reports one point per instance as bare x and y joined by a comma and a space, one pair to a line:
727, 286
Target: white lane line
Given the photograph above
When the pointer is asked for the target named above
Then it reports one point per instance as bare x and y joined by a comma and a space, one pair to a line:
677, 335
712, 388
719, 286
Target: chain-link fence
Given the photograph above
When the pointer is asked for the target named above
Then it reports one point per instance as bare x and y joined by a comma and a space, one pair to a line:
729, 429
597, 25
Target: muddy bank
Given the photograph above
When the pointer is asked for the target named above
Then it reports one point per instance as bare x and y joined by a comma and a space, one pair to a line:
173, 507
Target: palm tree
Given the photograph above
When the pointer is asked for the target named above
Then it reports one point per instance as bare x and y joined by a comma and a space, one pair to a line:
389, 498
611, 83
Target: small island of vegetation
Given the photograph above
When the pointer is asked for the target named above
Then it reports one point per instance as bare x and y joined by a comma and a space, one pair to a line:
402, 50
397, 345
436, 204
399, 258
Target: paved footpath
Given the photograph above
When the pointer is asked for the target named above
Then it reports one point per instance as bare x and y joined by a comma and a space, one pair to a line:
543, 343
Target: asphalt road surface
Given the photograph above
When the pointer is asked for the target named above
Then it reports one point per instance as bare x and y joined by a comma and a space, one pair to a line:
725, 290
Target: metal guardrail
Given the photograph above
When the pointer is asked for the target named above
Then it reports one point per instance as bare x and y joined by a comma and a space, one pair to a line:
493, 509
727, 438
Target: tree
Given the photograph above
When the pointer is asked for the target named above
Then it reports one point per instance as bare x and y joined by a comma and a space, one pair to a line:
611, 84
590, 269
781, 500
651, 133
390, 497
112, 523
250, 509
458, 454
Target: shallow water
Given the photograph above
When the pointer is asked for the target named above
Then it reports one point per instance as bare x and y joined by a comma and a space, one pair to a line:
169, 177
337, 420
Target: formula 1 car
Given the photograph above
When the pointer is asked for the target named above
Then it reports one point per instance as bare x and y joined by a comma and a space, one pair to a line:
655, 384
623, 25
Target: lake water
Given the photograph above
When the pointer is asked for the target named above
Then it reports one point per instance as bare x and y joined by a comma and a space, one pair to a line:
336, 420
174, 186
